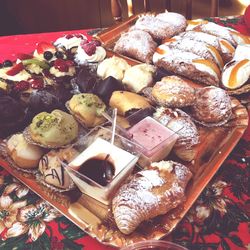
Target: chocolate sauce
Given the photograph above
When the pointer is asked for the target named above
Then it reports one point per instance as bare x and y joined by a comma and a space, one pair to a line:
99, 169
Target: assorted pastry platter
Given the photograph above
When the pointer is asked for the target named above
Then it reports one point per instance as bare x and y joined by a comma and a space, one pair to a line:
178, 131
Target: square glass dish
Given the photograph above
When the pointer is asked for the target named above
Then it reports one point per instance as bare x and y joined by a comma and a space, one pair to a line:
100, 169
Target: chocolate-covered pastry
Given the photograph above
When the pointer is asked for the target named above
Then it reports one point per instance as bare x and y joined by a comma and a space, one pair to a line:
212, 106
12, 116
105, 88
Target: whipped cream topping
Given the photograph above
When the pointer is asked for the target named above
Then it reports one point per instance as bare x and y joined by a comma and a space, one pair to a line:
242, 52
54, 71
69, 42
40, 56
242, 74
83, 58
23, 75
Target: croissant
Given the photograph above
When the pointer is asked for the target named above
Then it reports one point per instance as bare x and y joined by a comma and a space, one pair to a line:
150, 193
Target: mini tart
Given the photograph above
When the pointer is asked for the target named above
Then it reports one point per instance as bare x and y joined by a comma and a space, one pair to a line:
187, 64
88, 108
236, 74
50, 166
55, 129
23, 154
173, 91
125, 101
212, 106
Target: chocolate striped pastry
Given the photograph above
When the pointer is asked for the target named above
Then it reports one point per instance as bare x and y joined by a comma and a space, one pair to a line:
150, 193
197, 47
137, 44
230, 35
225, 48
187, 64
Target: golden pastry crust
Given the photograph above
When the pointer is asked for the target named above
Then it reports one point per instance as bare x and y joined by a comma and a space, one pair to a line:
137, 44
125, 101
150, 193
173, 91
88, 108
212, 106
25, 155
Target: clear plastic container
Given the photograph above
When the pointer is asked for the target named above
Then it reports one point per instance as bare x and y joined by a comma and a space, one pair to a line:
86, 170
154, 245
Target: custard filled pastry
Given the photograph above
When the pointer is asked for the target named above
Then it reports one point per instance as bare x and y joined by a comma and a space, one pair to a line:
225, 48
231, 36
137, 44
150, 193
199, 48
187, 64
212, 106
173, 91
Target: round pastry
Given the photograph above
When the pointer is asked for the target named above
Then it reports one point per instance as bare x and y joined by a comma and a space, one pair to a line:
188, 134
212, 106
88, 108
53, 129
50, 166
126, 101
12, 116
113, 66
173, 91
138, 77
24, 155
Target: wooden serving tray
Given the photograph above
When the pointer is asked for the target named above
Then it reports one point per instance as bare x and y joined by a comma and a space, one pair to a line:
96, 219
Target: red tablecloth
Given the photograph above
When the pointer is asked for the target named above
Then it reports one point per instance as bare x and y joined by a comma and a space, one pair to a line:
218, 220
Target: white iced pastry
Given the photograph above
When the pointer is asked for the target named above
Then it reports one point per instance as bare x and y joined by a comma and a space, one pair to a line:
113, 66
82, 57
138, 77
69, 41
25, 155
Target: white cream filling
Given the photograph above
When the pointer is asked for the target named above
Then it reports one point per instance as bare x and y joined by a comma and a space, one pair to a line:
59, 73
204, 68
23, 75
242, 52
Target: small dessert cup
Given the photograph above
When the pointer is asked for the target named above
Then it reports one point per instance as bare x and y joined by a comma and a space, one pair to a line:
155, 140
100, 169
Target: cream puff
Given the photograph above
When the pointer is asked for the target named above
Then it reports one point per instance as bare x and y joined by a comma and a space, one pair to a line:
23, 154
55, 129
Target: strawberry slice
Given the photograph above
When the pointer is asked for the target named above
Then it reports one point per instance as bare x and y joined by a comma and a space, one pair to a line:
22, 56
44, 46
15, 69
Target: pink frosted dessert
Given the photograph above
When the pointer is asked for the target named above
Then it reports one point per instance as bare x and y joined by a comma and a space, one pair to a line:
156, 140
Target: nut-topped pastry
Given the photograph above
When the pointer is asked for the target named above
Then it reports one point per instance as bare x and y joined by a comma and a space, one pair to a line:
149, 193
212, 106
88, 108
53, 129
173, 91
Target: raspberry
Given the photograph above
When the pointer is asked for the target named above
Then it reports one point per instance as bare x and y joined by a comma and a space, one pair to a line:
84, 41
61, 65
89, 48
69, 36
96, 42
22, 86
37, 84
